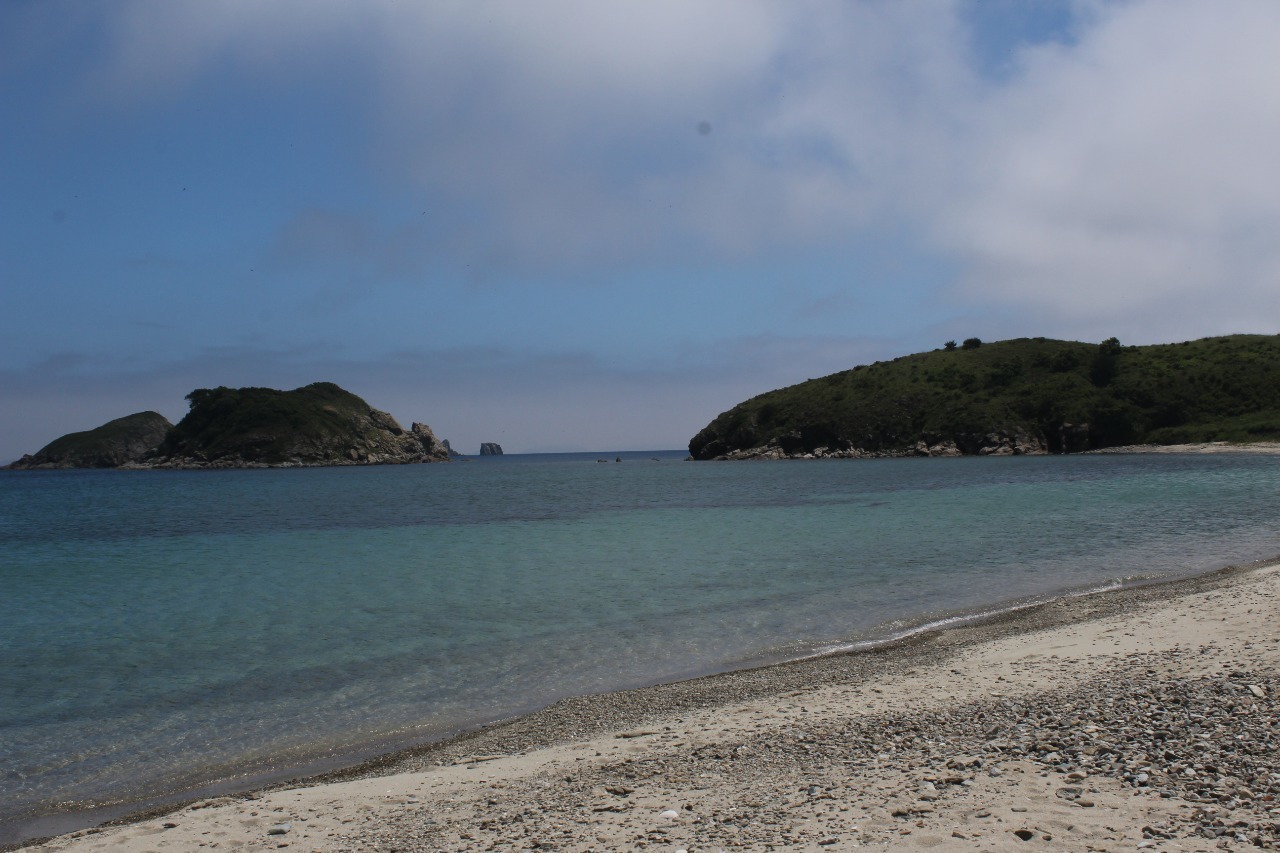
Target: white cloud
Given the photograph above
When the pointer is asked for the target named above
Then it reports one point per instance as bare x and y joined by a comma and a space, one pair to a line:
564, 134
1130, 181
569, 130
1122, 183
156, 49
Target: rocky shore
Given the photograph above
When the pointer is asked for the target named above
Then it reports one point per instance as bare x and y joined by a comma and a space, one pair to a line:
380, 441
994, 444
1142, 718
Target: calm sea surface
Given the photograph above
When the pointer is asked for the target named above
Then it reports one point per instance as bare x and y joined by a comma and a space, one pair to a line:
163, 628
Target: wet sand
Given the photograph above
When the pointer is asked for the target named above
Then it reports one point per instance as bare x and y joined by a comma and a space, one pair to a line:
1139, 718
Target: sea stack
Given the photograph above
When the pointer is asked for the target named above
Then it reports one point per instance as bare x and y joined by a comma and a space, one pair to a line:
490, 448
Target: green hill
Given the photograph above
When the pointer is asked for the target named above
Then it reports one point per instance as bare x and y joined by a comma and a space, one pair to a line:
115, 443
1018, 396
319, 424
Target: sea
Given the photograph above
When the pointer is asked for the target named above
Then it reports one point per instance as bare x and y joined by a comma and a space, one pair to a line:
165, 630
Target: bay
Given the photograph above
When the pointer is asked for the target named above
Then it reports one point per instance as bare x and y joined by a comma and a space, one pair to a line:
166, 628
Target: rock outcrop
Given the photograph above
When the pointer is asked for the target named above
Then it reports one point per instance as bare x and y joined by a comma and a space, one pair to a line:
999, 443
319, 424
490, 448
111, 445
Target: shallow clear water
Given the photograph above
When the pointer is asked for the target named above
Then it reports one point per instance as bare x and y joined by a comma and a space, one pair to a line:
165, 627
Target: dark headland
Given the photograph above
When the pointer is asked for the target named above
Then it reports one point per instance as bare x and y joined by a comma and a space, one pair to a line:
1025, 396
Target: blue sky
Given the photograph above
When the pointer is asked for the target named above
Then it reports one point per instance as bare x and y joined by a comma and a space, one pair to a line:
572, 225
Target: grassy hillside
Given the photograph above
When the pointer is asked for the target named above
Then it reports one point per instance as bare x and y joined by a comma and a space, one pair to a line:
1065, 395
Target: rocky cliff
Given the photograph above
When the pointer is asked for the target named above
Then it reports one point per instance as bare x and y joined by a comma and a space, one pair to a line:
319, 424
111, 445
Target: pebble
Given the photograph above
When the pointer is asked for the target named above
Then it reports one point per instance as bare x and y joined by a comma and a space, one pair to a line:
1147, 733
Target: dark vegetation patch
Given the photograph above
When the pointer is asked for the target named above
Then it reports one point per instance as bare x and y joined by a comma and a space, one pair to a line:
268, 426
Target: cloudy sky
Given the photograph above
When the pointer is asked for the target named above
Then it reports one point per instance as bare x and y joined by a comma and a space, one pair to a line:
594, 225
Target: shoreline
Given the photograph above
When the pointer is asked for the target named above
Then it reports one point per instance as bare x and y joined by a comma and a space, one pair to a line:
1265, 447
580, 734
375, 757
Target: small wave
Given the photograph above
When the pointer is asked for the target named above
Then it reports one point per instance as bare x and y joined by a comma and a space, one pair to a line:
975, 616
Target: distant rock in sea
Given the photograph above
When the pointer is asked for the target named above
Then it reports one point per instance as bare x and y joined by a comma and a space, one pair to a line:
450, 450
111, 445
490, 448
319, 424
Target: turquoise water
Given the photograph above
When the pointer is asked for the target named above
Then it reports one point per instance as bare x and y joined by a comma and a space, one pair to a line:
164, 628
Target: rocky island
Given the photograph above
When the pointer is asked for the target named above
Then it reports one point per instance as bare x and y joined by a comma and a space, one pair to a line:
316, 425
1025, 396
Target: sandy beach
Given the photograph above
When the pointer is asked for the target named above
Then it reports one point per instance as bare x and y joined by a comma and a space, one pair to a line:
1133, 719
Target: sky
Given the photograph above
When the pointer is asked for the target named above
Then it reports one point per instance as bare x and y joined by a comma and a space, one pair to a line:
596, 224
